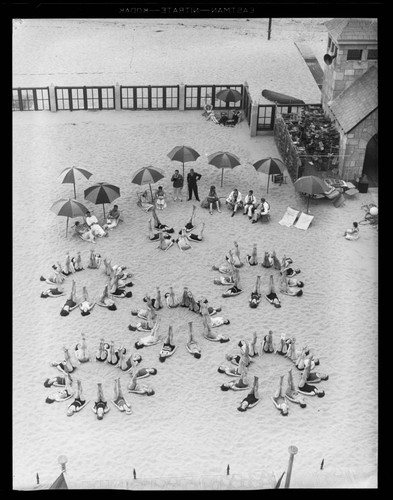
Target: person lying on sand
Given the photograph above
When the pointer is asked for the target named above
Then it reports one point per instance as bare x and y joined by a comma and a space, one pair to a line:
256, 295
94, 260
117, 289
79, 403
235, 254
144, 313
191, 345
286, 289
105, 300
240, 384
158, 224
276, 262
271, 296
292, 394
308, 389
54, 292
77, 262
267, 260
253, 258
70, 303
64, 394
243, 357
190, 224
171, 299
156, 236
208, 333
81, 352
119, 400
216, 320
57, 381
164, 244
67, 365
168, 347
183, 241
68, 267
197, 237
279, 398
144, 325
236, 289
267, 343
113, 354
250, 347
253, 398
137, 388
282, 349
149, 340
101, 405
226, 267
127, 364
56, 277
102, 352
86, 306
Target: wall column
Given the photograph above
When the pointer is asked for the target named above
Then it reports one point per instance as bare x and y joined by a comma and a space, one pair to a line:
52, 98
117, 97
182, 95
254, 119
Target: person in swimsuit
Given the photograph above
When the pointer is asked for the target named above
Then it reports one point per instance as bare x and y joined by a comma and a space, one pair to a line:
250, 347
136, 388
102, 352
286, 289
70, 303
128, 364
191, 345
252, 398
57, 277
117, 289
244, 357
79, 403
282, 349
144, 325
182, 241
271, 296
86, 306
209, 335
68, 267
308, 389
237, 261
276, 262
292, 394
267, 343
237, 385
113, 354
94, 260
197, 237
156, 236
314, 376
105, 300
144, 313
54, 292
227, 266
168, 347
149, 340
267, 260
66, 365
214, 322
285, 267
279, 399
81, 352
77, 262
56, 381
119, 400
143, 202
164, 244
302, 357
84, 232
160, 197
100, 406
212, 198
64, 394
256, 295
236, 289
171, 299
253, 258
158, 224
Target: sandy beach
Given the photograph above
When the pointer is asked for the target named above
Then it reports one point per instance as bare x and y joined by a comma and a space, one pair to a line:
189, 428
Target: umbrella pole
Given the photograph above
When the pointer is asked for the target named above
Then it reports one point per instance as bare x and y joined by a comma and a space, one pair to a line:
268, 180
103, 208
183, 171
222, 175
308, 201
74, 191
67, 228
151, 192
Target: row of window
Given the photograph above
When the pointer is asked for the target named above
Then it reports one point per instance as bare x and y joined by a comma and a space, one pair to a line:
353, 54
149, 97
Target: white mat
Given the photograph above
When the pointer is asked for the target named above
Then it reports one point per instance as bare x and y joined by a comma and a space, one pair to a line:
304, 221
289, 217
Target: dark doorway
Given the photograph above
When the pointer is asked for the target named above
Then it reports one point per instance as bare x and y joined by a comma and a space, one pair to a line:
370, 165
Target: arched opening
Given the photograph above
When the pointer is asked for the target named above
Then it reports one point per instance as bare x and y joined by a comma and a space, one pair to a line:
370, 165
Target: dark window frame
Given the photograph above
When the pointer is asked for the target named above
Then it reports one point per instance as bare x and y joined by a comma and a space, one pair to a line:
374, 56
353, 54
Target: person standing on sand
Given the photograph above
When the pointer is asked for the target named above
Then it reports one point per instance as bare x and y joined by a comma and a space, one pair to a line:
177, 180
192, 178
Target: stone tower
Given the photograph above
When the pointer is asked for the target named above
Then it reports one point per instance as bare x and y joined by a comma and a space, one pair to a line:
352, 49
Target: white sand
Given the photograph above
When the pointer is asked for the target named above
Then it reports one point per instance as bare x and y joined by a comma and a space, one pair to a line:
189, 427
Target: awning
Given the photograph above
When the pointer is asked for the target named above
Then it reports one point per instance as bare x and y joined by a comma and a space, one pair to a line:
281, 98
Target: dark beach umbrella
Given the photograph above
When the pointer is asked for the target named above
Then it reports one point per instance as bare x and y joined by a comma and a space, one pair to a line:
279, 481
310, 185
269, 166
183, 154
283, 99
229, 95
69, 176
148, 175
68, 208
102, 193
223, 160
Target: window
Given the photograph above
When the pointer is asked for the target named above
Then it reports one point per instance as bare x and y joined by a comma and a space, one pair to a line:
171, 97
157, 98
372, 54
265, 118
92, 98
62, 98
127, 97
142, 98
354, 55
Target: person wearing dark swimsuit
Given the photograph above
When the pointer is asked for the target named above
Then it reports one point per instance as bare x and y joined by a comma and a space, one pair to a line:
271, 296
102, 353
252, 398
197, 237
101, 405
79, 403
70, 303
168, 348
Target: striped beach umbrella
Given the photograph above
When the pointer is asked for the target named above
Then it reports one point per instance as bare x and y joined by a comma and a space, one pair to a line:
223, 160
148, 175
68, 208
229, 95
269, 166
183, 154
102, 193
310, 185
69, 176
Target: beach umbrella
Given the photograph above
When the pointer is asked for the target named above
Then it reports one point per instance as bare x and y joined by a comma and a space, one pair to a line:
148, 175
183, 154
310, 185
69, 176
279, 481
223, 160
269, 166
68, 208
229, 95
102, 193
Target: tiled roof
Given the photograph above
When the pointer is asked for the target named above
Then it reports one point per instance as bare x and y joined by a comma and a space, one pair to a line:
345, 29
357, 101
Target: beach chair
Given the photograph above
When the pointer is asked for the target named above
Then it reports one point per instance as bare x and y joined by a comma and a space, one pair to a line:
143, 201
289, 217
304, 221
